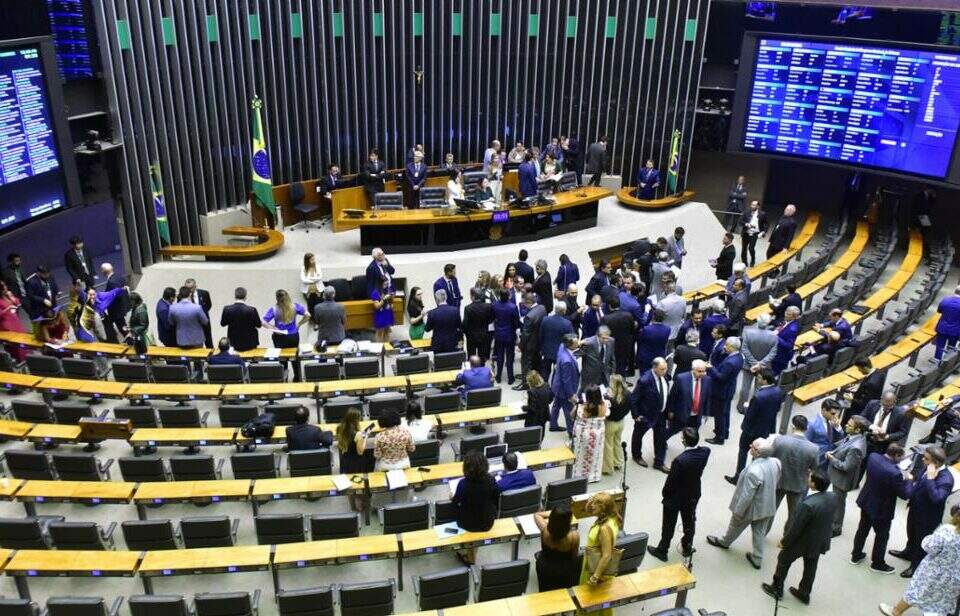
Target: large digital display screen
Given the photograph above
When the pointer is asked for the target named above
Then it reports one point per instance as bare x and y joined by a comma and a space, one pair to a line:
31, 174
870, 105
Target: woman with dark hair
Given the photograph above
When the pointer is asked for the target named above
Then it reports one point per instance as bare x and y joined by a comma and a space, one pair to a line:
454, 188
416, 314
539, 399
139, 325
559, 548
351, 442
394, 443
476, 499
415, 423
568, 273
382, 310
588, 429
10, 320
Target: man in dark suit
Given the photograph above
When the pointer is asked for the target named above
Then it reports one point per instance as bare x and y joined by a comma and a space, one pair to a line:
302, 436
927, 497
449, 283
573, 308
165, 331
542, 286
477, 318
877, 501
592, 316
754, 225
648, 405
513, 478
724, 262
759, 417
623, 329
652, 341
78, 263
379, 267
681, 493
530, 337
444, 322
42, 292
565, 384
888, 422
329, 182
685, 354
870, 388
241, 322
782, 234
415, 176
223, 356
553, 328
786, 338
372, 175
807, 537
724, 377
527, 176
523, 268
14, 277
596, 161
599, 281
735, 200
597, 361
115, 324
201, 297
689, 398
330, 318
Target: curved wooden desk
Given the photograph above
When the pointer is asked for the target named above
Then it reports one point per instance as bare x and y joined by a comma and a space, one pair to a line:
626, 198
270, 242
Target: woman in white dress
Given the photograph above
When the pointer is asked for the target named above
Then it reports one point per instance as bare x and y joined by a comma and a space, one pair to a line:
495, 178
454, 188
588, 432
310, 274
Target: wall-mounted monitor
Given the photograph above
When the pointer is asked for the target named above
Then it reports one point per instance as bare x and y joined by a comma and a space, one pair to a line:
766, 11
37, 172
876, 105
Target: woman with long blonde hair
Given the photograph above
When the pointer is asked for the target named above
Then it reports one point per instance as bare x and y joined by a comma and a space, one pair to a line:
351, 442
282, 319
602, 537
310, 274
618, 401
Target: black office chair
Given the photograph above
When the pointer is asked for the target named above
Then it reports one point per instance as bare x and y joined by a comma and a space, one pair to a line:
283, 414
82, 606
142, 535
81, 536
18, 607
388, 201
182, 417
254, 465
361, 367
227, 603
341, 287
317, 601
335, 408
451, 360
562, 490
140, 415
32, 411
279, 528
378, 404
634, 548
366, 598
433, 196
266, 372
474, 443
304, 209
309, 462
158, 605
81, 467
404, 517
80, 368
235, 415
334, 526
224, 373
412, 364
316, 370
426, 453
523, 439
444, 511
71, 412
143, 468
500, 580
130, 371
443, 589
24, 464
358, 289
441, 402
485, 396
44, 365
171, 373
520, 501
26, 533
195, 468
216, 531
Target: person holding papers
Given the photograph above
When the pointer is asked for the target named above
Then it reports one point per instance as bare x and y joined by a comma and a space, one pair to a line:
281, 318
512, 477
476, 498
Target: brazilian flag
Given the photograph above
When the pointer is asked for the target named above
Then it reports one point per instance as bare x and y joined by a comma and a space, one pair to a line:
674, 171
159, 207
262, 185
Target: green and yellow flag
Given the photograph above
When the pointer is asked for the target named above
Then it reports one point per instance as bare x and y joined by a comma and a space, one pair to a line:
262, 185
674, 171
159, 207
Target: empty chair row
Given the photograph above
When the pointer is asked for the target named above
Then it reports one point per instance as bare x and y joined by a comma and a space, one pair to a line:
204, 604
30, 464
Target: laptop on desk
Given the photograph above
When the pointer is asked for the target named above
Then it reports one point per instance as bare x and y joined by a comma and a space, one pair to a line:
494, 455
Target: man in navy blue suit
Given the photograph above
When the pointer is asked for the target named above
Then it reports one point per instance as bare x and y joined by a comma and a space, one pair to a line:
681, 492
528, 177
647, 182
444, 322
513, 478
552, 330
836, 333
786, 337
165, 332
224, 357
378, 267
416, 176
648, 405
759, 417
477, 376
724, 379
824, 431
652, 341
948, 327
715, 315
449, 283
689, 398
592, 316
42, 291
877, 502
524, 270
565, 384
927, 497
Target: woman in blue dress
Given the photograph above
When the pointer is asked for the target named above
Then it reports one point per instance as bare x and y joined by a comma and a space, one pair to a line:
382, 309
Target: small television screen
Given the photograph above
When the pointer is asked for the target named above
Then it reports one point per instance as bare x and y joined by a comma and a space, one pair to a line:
501, 216
853, 13
766, 11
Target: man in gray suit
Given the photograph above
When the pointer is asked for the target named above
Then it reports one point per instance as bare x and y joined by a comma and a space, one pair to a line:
330, 318
596, 161
657, 270
843, 465
188, 319
598, 359
798, 458
754, 501
759, 346
737, 306
674, 308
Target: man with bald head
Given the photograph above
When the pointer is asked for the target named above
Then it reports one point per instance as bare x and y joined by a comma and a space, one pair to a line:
782, 234
888, 422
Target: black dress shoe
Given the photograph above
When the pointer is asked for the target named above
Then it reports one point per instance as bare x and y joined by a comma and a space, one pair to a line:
687, 553
715, 441
715, 542
662, 468
641, 462
753, 561
907, 573
731, 479
899, 554
802, 598
770, 590
658, 553
520, 387
836, 534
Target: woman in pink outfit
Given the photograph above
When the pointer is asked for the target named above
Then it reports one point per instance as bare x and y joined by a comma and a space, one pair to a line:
10, 320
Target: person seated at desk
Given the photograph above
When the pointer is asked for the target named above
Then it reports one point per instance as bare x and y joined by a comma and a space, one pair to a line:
948, 419
418, 427
551, 172
517, 153
648, 180
329, 182
512, 477
372, 175
455, 188
528, 176
836, 333
559, 548
483, 193
302, 436
449, 164
477, 376
415, 176
780, 305
476, 498
224, 357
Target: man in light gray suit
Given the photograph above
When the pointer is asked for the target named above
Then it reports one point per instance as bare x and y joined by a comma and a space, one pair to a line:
674, 308
188, 320
843, 465
330, 318
754, 501
758, 349
798, 458
657, 270
598, 362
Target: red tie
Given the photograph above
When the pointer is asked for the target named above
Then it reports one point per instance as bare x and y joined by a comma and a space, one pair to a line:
695, 409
